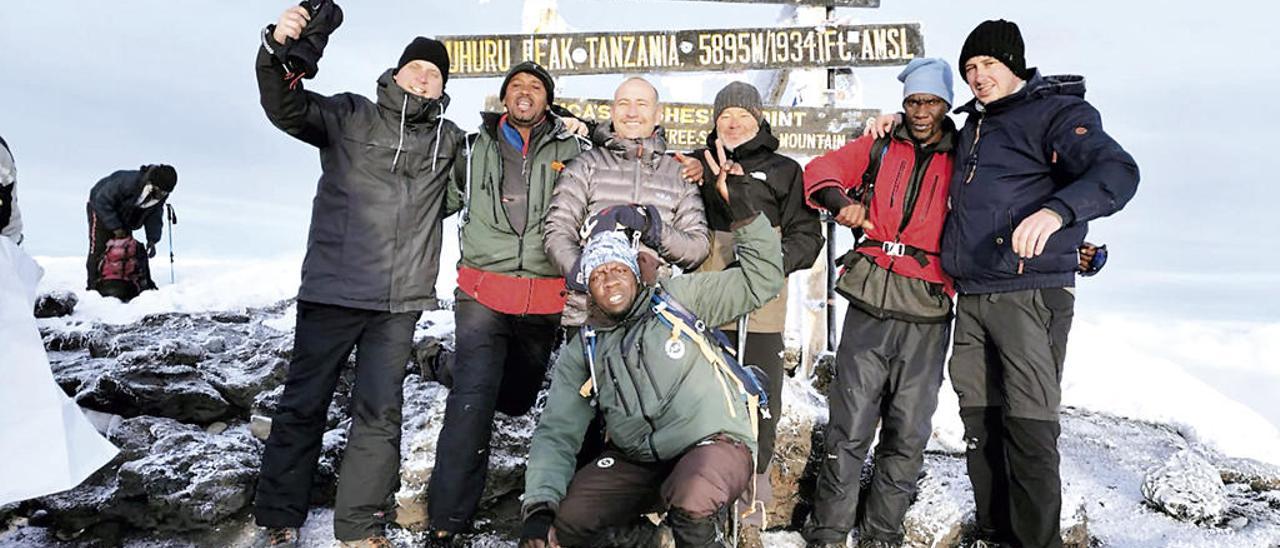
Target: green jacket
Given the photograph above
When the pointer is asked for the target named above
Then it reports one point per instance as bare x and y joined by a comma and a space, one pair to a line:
658, 399
489, 242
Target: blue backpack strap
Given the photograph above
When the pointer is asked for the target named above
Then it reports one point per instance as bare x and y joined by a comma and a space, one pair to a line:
748, 378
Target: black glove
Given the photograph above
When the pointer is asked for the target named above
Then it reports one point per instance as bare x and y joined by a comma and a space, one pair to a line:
643, 219
537, 526
151, 250
576, 280
741, 207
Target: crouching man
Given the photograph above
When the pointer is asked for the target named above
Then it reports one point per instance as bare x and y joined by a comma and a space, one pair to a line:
680, 415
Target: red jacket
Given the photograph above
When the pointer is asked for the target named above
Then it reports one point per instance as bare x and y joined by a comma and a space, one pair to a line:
901, 185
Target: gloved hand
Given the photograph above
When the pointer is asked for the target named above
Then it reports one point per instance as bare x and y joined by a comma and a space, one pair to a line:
1092, 258
304, 37
536, 530
151, 250
575, 280
643, 219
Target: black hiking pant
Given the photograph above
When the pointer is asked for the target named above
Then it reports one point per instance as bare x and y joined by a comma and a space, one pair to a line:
696, 490
764, 350
1006, 367
98, 236
370, 472
499, 365
888, 372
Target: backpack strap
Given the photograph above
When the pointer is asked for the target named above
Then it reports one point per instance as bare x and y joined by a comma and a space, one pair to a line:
588, 389
879, 148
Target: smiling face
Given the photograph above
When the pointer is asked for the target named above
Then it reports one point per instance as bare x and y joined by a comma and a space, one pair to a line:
925, 112
421, 78
735, 126
635, 109
613, 288
989, 79
525, 99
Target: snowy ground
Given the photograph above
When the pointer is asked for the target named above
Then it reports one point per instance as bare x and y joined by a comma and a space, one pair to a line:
1164, 372
1152, 368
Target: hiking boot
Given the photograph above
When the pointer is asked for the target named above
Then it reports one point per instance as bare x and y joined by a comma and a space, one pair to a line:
749, 536
370, 542
278, 537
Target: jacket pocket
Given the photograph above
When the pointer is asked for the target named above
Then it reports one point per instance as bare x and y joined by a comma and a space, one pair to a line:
1006, 261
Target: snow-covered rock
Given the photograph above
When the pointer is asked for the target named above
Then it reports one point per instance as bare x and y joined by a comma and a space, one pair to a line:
56, 304
1186, 487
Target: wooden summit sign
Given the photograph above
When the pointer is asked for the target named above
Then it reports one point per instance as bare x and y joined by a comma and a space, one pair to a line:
803, 131
687, 50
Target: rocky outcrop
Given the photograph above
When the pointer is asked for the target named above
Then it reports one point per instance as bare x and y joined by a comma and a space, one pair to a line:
199, 391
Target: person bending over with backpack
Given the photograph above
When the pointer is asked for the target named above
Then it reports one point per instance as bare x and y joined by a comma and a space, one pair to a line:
118, 205
679, 412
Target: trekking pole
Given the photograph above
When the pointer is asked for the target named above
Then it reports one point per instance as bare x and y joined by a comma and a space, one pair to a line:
171, 216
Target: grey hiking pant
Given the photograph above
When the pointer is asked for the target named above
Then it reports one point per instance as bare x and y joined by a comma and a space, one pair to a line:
1006, 368
889, 372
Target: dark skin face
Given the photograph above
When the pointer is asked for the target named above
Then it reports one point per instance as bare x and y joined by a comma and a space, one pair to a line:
613, 288
925, 112
526, 102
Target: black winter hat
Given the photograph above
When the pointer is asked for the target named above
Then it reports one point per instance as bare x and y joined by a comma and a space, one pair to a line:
1000, 39
162, 176
535, 69
426, 49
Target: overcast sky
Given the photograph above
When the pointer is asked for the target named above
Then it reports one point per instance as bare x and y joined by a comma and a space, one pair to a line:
89, 88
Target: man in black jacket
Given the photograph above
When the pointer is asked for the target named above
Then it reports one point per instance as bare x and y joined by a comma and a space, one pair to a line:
118, 205
370, 268
1033, 166
743, 144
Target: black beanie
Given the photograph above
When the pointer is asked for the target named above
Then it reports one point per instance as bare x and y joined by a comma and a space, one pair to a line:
426, 49
1000, 39
535, 69
162, 176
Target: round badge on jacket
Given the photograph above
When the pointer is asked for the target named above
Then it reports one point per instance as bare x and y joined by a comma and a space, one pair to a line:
675, 348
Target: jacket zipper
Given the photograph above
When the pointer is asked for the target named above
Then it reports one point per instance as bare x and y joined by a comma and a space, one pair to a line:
617, 387
653, 381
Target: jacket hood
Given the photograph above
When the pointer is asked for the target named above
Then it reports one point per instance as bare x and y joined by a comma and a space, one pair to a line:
416, 110
1037, 86
764, 141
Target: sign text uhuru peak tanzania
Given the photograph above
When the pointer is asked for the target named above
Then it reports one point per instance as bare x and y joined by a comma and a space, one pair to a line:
687, 50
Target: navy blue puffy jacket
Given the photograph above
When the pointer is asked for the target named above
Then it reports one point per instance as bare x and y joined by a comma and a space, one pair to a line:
1042, 146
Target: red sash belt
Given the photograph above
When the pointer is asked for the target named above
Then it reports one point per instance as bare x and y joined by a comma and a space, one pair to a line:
512, 294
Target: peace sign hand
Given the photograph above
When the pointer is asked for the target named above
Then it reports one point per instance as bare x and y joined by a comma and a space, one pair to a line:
722, 167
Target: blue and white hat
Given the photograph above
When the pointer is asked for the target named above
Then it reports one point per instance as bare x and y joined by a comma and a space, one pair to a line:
603, 248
